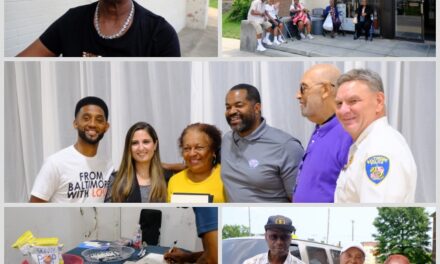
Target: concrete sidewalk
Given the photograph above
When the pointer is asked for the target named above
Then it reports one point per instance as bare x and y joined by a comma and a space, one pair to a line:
340, 46
201, 42
231, 48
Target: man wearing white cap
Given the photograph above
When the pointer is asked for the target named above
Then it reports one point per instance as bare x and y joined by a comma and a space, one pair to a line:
353, 253
397, 259
278, 236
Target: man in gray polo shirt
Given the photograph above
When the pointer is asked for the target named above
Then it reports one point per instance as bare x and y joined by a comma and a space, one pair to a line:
259, 162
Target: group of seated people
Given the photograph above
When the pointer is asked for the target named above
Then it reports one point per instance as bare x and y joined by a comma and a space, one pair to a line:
263, 15
362, 20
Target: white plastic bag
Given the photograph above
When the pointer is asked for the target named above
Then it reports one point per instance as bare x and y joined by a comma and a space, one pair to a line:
328, 23
355, 20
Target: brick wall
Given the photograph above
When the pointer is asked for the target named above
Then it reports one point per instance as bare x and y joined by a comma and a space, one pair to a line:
310, 4
284, 7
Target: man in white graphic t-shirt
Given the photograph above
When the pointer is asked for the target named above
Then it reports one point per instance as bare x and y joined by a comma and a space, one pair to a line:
77, 174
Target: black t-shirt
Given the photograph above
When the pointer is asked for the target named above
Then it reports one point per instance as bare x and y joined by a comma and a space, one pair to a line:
148, 36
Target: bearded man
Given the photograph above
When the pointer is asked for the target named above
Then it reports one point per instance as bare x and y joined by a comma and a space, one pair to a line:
259, 162
77, 173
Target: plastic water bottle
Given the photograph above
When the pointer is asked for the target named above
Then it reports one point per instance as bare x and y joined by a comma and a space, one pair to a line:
137, 242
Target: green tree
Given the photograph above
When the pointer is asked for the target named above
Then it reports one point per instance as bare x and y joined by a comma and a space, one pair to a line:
239, 10
235, 231
403, 231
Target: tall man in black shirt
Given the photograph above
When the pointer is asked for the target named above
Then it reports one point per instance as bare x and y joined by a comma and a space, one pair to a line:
110, 28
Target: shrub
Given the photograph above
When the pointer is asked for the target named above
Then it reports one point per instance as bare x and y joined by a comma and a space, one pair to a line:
239, 10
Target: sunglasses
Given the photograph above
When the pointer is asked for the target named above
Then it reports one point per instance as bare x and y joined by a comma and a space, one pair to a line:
303, 87
283, 237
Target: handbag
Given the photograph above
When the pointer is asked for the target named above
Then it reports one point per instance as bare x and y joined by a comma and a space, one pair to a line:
355, 20
328, 23
376, 23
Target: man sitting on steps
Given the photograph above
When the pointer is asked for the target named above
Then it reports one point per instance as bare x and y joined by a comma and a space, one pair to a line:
257, 16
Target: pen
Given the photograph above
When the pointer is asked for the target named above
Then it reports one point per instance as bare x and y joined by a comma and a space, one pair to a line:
171, 248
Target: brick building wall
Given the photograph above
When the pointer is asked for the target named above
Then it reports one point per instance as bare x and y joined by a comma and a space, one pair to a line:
284, 7
310, 4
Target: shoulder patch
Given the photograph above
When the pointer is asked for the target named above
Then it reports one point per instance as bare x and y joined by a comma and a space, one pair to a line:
377, 168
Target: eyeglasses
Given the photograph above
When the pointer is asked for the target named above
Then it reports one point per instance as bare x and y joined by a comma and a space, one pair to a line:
198, 149
304, 87
283, 237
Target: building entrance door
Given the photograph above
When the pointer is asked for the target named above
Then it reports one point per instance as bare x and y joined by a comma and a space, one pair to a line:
410, 19
429, 17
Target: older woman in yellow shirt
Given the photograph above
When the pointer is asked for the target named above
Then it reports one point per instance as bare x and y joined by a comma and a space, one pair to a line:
200, 145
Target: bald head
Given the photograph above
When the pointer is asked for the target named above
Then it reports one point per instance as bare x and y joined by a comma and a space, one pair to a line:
397, 259
317, 92
324, 73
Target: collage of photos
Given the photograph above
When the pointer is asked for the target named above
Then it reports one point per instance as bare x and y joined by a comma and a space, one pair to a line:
231, 131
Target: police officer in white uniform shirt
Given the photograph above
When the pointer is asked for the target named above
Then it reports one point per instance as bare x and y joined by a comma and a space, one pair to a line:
381, 167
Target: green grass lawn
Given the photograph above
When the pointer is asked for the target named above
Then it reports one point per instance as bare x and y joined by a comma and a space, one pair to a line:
213, 3
230, 29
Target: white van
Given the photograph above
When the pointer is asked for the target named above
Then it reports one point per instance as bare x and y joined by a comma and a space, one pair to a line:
236, 250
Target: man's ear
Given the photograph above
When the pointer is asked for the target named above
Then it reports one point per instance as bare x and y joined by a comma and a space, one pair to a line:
107, 126
75, 124
257, 107
380, 99
327, 90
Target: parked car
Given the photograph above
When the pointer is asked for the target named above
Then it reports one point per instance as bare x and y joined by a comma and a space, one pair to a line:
236, 250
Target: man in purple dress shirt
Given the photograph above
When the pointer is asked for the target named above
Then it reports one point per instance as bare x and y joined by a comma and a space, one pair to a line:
328, 147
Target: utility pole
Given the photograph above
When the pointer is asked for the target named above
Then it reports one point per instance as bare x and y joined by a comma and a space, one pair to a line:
249, 218
352, 230
328, 223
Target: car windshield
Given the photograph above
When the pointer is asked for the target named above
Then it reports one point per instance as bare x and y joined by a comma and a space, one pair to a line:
235, 251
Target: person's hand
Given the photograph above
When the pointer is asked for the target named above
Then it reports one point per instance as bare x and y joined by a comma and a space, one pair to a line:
176, 255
